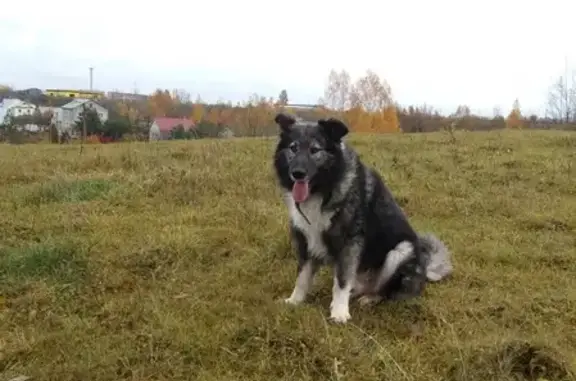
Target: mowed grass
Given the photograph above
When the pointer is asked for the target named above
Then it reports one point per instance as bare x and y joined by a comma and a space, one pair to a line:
166, 262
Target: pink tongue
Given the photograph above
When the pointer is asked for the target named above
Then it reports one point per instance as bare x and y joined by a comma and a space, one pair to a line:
300, 191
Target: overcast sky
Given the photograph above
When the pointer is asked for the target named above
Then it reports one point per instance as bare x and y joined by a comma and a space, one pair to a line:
442, 52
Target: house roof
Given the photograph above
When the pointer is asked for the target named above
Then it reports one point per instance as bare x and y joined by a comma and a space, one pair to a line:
77, 103
167, 124
10, 102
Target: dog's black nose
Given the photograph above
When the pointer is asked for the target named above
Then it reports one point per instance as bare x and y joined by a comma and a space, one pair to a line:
298, 174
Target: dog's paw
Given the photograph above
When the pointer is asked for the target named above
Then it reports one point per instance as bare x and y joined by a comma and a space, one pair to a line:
339, 313
369, 300
292, 301
339, 316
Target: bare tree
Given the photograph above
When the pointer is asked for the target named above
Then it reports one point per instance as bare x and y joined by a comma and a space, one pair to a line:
462, 111
337, 92
371, 93
497, 112
562, 100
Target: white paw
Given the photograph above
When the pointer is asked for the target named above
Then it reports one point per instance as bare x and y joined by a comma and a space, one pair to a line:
369, 300
338, 316
433, 277
292, 301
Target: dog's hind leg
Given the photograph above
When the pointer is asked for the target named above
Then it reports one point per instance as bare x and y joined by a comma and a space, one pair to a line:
369, 300
395, 258
362, 283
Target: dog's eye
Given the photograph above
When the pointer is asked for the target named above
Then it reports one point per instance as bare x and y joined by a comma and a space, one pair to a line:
314, 150
293, 147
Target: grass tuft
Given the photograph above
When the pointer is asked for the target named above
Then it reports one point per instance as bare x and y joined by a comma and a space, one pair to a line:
515, 360
60, 263
65, 191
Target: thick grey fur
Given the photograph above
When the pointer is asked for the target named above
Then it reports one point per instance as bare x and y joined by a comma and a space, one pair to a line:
351, 221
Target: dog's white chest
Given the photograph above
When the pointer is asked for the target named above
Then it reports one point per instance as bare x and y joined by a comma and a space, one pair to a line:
320, 222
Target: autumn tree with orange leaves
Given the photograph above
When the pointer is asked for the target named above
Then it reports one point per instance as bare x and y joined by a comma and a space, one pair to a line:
257, 116
161, 103
129, 110
391, 118
198, 111
514, 119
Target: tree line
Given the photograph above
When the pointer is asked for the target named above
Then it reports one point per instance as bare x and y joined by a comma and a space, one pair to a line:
366, 104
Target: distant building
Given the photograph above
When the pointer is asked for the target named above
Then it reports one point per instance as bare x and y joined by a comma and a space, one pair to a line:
161, 128
84, 94
65, 117
226, 133
14, 108
116, 95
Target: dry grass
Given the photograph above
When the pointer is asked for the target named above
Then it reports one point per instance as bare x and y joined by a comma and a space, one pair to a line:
165, 262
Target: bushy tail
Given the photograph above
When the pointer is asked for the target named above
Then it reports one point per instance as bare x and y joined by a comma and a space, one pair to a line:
439, 262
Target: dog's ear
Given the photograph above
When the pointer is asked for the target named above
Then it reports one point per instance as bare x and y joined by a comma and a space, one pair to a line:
284, 121
334, 128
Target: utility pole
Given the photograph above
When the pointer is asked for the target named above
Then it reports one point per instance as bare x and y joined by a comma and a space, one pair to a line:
91, 77
566, 91
83, 128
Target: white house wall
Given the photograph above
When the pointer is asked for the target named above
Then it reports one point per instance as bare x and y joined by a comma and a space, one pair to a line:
15, 108
154, 133
65, 118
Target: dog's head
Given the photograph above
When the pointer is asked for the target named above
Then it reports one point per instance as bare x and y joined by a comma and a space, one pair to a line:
309, 156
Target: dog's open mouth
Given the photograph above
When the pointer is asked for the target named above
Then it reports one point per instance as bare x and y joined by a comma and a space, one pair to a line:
300, 191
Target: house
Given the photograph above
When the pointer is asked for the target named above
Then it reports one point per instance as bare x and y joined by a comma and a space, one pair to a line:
66, 116
14, 108
226, 133
161, 128
66, 93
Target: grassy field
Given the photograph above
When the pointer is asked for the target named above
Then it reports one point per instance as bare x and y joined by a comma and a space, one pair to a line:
166, 262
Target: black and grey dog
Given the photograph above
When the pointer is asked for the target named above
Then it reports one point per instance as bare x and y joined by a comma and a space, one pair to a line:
342, 214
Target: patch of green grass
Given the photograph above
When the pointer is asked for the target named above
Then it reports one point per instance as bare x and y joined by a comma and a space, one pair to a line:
42, 261
65, 191
188, 254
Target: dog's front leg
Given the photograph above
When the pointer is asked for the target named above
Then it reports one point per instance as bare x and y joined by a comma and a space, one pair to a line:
345, 269
307, 268
306, 271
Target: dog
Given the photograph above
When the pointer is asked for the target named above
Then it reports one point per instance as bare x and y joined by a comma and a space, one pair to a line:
342, 214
